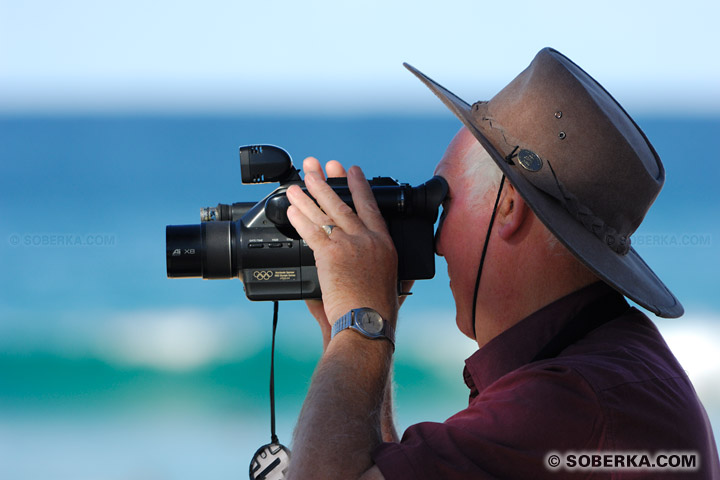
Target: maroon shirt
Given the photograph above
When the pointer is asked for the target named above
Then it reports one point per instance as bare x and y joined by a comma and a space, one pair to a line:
614, 389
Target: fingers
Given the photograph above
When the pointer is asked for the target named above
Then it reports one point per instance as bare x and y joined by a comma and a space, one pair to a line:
304, 214
337, 210
365, 204
311, 164
310, 231
359, 237
332, 210
335, 169
307, 206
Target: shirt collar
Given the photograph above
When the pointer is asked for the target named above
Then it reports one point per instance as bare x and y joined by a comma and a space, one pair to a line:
517, 345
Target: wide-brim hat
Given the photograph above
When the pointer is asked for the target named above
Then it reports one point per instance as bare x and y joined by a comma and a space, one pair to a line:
580, 162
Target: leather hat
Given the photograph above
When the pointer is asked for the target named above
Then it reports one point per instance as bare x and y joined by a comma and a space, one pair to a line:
580, 162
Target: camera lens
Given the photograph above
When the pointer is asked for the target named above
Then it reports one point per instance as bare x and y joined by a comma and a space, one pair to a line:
202, 250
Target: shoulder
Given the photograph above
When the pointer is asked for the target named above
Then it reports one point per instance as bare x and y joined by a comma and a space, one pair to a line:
619, 388
621, 384
546, 403
505, 432
626, 351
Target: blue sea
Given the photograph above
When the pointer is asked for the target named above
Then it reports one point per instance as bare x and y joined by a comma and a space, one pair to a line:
110, 370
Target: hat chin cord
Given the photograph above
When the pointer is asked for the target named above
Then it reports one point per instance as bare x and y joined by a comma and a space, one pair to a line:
484, 251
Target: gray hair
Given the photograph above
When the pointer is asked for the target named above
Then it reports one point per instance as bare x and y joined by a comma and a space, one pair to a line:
483, 171
487, 175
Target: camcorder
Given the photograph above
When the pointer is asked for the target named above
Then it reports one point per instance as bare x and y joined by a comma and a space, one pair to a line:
256, 242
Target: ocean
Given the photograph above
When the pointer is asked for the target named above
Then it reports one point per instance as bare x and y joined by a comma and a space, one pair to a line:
110, 370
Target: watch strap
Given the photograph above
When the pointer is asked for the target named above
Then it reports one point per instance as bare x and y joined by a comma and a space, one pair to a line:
342, 323
348, 321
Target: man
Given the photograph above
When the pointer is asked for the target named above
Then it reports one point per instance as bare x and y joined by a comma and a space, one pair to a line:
547, 183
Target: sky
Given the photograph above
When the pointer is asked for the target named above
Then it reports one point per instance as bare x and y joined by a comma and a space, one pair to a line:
327, 56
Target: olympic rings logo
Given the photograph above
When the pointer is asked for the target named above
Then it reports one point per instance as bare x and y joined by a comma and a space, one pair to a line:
263, 274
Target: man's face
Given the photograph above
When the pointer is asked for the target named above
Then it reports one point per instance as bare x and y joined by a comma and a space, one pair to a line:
472, 178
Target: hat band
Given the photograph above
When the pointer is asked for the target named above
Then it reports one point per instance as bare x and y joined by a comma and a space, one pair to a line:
617, 242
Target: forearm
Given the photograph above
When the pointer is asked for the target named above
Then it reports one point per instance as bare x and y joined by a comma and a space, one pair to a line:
387, 411
340, 422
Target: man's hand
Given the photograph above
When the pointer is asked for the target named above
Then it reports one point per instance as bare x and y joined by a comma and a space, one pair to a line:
340, 422
357, 263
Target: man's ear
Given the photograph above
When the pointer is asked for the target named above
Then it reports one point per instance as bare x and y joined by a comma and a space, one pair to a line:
512, 213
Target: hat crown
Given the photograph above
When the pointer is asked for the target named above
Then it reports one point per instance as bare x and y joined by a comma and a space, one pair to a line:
585, 139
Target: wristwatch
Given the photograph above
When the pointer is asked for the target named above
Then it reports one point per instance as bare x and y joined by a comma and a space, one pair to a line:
367, 322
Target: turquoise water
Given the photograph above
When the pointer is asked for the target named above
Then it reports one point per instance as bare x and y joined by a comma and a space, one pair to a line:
110, 370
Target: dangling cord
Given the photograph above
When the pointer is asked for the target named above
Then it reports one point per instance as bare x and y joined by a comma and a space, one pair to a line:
273, 437
272, 459
482, 258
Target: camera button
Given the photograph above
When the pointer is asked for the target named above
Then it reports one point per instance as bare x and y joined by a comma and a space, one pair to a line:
255, 245
274, 244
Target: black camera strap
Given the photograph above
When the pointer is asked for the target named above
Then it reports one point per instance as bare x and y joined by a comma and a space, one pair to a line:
271, 461
484, 251
273, 436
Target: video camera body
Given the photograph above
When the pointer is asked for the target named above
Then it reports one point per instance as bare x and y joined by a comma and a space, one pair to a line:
257, 243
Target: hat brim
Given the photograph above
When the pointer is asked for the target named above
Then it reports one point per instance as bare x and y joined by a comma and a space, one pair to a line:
628, 273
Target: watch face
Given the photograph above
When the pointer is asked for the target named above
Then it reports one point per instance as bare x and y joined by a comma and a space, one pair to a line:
370, 321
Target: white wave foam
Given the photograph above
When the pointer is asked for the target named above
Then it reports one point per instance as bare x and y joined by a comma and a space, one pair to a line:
167, 340
174, 339
695, 341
